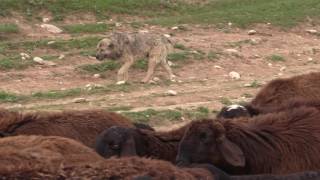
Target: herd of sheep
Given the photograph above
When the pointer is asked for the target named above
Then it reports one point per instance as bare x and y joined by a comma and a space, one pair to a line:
274, 137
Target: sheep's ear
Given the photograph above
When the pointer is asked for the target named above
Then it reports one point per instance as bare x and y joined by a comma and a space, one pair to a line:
231, 152
129, 147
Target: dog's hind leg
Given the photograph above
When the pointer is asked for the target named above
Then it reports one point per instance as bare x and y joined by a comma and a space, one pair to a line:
166, 66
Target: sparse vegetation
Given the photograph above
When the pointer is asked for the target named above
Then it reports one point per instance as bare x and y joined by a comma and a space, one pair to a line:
255, 84
14, 63
141, 64
151, 115
180, 46
9, 28
9, 97
212, 55
100, 67
86, 28
276, 58
225, 101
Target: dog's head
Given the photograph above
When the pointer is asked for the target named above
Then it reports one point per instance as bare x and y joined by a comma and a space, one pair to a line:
107, 48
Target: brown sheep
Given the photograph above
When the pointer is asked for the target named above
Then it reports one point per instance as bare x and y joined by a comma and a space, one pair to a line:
276, 93
42, 153
278, 143
81, 125
122, 141
135, 168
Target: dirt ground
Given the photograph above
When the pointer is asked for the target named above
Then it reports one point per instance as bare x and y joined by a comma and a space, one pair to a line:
201, 82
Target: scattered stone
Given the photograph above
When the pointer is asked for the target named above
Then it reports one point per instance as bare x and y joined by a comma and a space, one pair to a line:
247, 85
231, 51
120, 82
39, 60
24, 56
63, 89
310, 59
171, 93
234, 75
51, 28
229, 23
312, 31
62, 56
269, 64
156, 79
79, 100
280, 74
299, 55
252, 32
45, 19
97, 76
175, 28
170, 63
218, 67
143, 31
51, 42
167, 35
117, 24
283, 68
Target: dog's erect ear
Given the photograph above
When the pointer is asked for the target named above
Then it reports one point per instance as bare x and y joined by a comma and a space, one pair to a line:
231, 152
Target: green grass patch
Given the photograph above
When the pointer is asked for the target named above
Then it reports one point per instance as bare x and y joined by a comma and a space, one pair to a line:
286, 13
212, 55
9, 97
160, 116
275, 58
9, 28
58, 94
141, 64
62, 45
179, 56
180, 46
86, 28
225, 101
255, 84
100, 67
14, 63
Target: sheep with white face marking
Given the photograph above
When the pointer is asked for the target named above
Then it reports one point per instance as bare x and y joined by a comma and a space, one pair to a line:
276, 94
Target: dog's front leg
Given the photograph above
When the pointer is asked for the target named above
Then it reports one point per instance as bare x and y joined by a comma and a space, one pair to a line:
123, 71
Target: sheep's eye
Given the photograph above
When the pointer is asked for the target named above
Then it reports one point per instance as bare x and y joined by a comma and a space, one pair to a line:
203, 136
114, 146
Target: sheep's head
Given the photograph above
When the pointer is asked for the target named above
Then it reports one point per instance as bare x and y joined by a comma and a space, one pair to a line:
205, 142
233, 111
116, 141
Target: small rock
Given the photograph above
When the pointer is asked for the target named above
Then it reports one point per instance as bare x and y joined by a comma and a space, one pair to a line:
24, 56
231, 51
156, 79
51, 28
310, 59
252, 32
118, 24
51, 42
280, 74
61, 56
218, 67
269, 64
172, 92
38, 60
97, 76
45, 19
312, 31
170, 63
167, 35
79, 100
299, 55
175, 28
247, 85
63, 89
229, 23
120, 82
234, 75
283, 68
143, 31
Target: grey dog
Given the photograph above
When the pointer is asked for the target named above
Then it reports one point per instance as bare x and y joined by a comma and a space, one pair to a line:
129, 47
